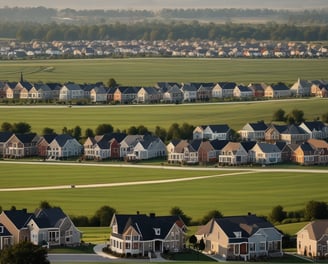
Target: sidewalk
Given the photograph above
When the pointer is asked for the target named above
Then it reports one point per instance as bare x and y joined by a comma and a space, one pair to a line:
98, 249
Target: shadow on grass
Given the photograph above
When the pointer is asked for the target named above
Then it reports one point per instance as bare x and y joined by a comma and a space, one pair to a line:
187, 255
86, 248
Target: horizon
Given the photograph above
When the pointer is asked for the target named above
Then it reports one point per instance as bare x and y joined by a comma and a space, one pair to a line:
172, 4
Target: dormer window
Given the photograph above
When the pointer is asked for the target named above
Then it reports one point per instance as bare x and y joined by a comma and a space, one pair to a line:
237, 234
157, 231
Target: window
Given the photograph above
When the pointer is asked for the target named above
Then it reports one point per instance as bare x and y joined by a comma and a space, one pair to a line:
251, 247
262, 246
127, 237
157, 231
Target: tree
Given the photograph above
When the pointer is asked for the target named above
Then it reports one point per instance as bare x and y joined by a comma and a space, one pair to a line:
103, 216
48, 131
186, 131
89, 133
45, 205
142, 130
210, 215
178, 212
295, 117
324, 118
21, 128
6, 127
77, 132
173, 132
316, 210
201, 245
193, 240
112, 83
279, 115
104, 129
160, 132
277, 214
132, 130
25, 253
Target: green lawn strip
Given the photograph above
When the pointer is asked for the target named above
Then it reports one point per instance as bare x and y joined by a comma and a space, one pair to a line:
291, 228
121, 117
188, 255
146, 72
234, 195
95, 235
50, 174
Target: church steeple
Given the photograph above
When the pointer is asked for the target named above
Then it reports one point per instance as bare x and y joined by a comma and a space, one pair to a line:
21, 79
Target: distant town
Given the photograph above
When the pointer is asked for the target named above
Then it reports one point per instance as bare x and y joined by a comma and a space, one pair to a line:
13, 49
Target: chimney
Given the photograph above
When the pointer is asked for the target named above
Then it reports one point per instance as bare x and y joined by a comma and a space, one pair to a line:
138, 212
152, 215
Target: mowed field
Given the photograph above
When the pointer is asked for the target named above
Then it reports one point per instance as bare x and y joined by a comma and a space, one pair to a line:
231, 192
148, 71
236, 115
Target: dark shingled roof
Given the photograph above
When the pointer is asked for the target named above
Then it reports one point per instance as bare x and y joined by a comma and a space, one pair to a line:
4, 136
219, 144
52, 215
4, 232
19, 218
62, 139
219, 128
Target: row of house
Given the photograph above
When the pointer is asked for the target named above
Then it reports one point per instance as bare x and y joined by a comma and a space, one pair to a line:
165, 92
260, 143
179, 48
45, 227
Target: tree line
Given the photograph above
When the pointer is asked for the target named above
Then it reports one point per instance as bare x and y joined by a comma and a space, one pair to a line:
156, 30
43, 15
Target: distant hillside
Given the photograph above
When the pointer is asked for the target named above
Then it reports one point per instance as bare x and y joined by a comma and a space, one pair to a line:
158, 4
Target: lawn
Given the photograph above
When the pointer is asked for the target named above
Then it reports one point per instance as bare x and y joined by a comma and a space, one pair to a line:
123, 117
232, 195
148, 71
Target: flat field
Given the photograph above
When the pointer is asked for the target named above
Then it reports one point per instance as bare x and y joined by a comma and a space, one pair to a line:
148, 71
255, 192
236, 115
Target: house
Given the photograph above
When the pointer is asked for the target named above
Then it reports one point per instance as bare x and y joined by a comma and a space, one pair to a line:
4, 136
22, 89
64, 146
253, 131
173, 95
257, 89
319, 88
98, 94
233, 153
52, 227
273, 133
241, 238
55, 89
8, 90
277, 91
312, 239
316, 129
43, 144
286, 150
265, 153
128, 143
321, 147
241, 91
211, 132
304, 154
40, 91
294, 135
189, 92
148, 148
141, 234
6, 238
21, 145
301, 88
71, 91
148, 95
181, 153
207, 152
15, 221
218, 145
223, 90
204, 91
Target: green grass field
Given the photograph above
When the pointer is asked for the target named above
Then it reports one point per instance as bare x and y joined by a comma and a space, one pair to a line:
232, 195
123, 117
148, 71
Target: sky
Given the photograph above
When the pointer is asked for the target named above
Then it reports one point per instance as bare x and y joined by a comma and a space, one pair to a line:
159, 4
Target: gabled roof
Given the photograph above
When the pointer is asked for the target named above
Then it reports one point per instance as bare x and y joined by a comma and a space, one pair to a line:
306, 147
248, 144
49, 138
292, 129
5, 231
279, 87
259, 126
53, 215
19, 218
268, 148
314, 125
26, 138
318, 143
229, 86
62, 139
146, 225
219, 144
281, 144
195, 144
219, 128
4, 136
243, 88
279, 128
316, 229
